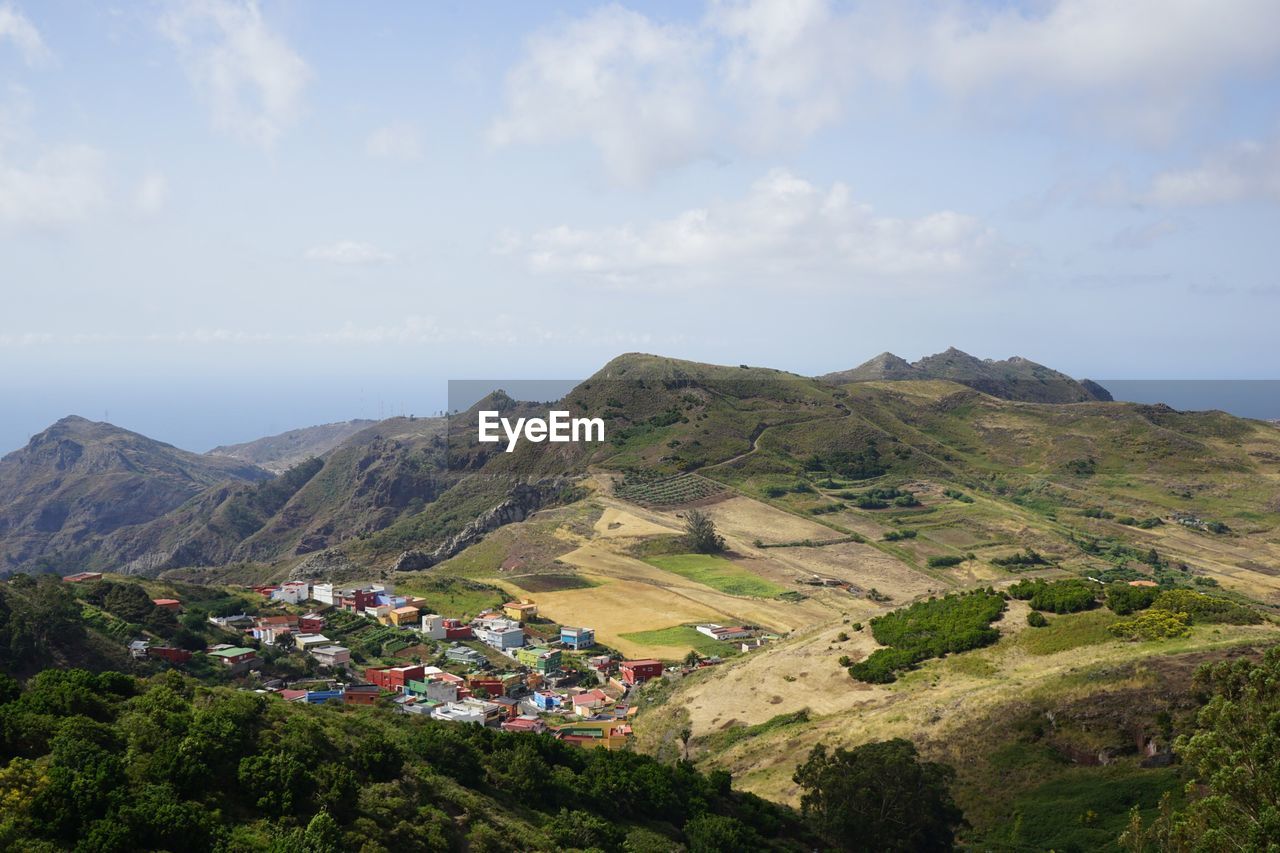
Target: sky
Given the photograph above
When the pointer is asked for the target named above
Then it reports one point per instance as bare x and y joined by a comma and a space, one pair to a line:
220, 218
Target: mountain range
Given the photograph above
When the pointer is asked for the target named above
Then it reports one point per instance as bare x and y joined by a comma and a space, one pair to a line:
90, 495
1013, 378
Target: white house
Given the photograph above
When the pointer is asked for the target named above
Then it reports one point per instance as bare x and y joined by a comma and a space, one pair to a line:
311, 641
433, 626
331, 655
720, 632
292, 592
322, 592
502, 637
468, 711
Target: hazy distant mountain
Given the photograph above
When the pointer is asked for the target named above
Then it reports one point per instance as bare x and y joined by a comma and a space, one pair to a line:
1014, 378
80, 480
279, 453
364, 484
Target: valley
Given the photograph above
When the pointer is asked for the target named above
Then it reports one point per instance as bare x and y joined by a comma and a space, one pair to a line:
837, 500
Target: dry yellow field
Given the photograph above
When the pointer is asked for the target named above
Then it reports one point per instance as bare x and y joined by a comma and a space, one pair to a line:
924, 707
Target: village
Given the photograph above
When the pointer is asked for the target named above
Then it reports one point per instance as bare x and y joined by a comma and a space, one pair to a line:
505, 668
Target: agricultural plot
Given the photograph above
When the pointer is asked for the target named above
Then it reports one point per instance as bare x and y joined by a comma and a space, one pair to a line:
666, 491
718, 573
682, 638
551, 583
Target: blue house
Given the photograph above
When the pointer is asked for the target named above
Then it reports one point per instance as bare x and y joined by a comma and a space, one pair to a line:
319, 697
577, 638
547, 701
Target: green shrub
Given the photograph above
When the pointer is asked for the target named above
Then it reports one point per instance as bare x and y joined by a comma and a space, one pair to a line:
898, 535
1065, 596
1153, 624
1124, 599
1036, 619
944, 561
929, 629
1203, 608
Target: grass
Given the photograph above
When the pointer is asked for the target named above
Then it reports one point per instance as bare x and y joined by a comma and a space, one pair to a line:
1069, 631
718, 573
456, 597
1084, 809
728, 737
552, 583
684, 637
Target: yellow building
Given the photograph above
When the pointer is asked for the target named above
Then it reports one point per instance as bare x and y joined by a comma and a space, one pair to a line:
521, 611
610, 734
404, 616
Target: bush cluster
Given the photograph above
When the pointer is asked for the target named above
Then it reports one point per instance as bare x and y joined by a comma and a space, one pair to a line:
930, 629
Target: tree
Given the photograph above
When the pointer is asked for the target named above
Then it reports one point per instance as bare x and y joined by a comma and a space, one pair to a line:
879, 796
128, 601
692, 658
701, 533
1233, 758
711, 833
286, 641
686, 734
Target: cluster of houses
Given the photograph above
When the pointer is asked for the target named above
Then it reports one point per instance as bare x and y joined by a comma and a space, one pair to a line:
536, 693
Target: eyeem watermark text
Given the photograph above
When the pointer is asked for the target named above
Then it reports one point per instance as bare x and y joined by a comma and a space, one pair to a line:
557, 427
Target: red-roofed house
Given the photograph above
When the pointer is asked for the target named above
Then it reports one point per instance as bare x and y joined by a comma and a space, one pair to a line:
639, 671
172, 604
524, 724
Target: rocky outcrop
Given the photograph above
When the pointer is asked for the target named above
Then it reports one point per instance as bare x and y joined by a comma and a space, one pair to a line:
523, 500
330, 565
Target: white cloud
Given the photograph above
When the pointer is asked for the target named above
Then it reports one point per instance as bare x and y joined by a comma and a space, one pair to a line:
349, 253
650, 96
15, 27
62, 186
394, 142
631, 86
152, 194
1246, 171
784, 229
253, 79
788, 63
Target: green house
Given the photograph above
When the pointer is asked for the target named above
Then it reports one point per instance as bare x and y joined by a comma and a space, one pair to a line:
539, 658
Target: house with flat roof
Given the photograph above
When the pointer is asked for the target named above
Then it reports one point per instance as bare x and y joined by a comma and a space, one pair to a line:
539, 658
639, 671
577, 638
332, 655
465, 654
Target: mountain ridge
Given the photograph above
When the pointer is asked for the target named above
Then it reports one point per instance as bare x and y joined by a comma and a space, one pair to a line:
1013, 378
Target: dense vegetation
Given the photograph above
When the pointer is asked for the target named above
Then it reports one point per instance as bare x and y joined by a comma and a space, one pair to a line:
1233, 756
1123, 599
930, 629
879, 796
109, 762
1172, 612
1065, 596
1021, 560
